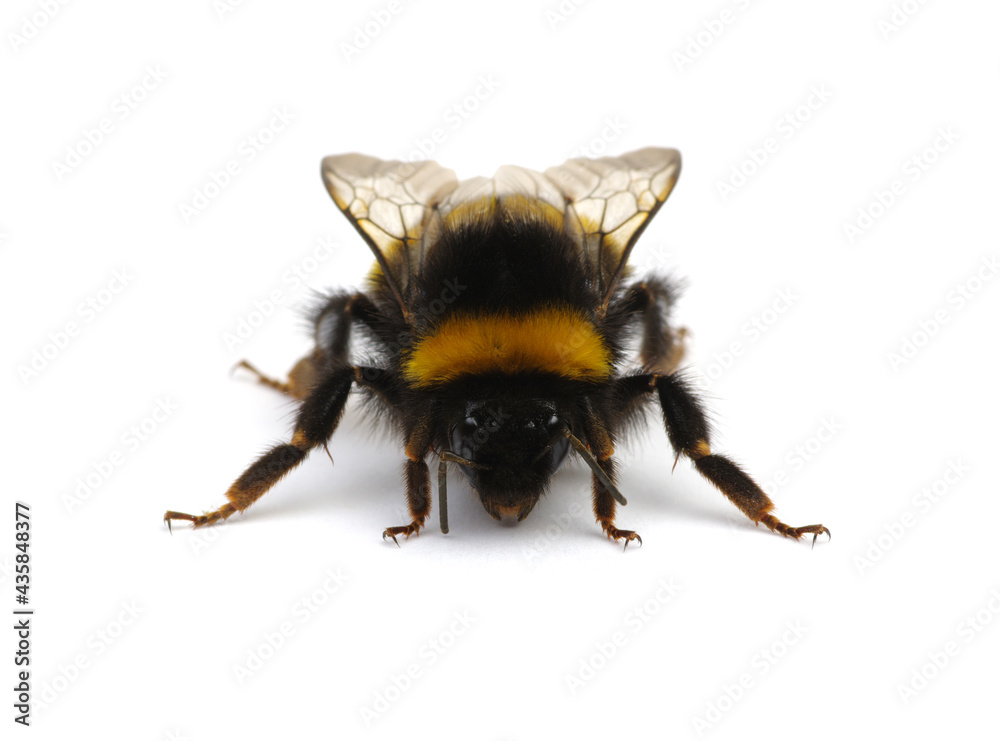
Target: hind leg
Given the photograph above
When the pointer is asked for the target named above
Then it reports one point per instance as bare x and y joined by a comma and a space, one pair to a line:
301, 379
332, 332
663, 346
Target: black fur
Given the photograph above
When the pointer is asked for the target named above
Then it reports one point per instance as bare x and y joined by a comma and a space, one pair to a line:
495, 262
508, 432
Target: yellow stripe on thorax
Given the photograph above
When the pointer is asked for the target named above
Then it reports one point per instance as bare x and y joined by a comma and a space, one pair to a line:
557, 340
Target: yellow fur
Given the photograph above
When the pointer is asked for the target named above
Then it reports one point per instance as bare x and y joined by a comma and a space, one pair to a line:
557, 340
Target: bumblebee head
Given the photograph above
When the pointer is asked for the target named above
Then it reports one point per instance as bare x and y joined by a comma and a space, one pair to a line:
515, 446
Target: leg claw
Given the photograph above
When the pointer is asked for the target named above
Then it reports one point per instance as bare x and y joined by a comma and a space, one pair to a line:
209, 518
775, 525
169, 517
628, 536
814, 530
407, 530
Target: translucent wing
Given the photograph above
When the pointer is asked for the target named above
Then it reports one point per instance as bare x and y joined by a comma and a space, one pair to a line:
604, 204
512, 188
509, 182
389, 203
610, 201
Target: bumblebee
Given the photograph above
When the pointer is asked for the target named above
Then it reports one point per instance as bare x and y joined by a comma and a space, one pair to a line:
496, 325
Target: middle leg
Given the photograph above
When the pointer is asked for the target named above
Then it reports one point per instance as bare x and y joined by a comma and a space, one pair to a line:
418, 484
604, 500
318, 417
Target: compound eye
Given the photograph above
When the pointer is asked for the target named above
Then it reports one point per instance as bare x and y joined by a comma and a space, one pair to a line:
468, 428
554, 425
463, 437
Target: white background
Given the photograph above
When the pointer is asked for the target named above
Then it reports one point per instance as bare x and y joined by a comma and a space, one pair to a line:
895, 587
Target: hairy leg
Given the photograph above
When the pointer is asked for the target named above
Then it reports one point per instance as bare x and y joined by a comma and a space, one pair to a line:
662, 347
332, 331
316, 422
688, 431
418, 485
602, 450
